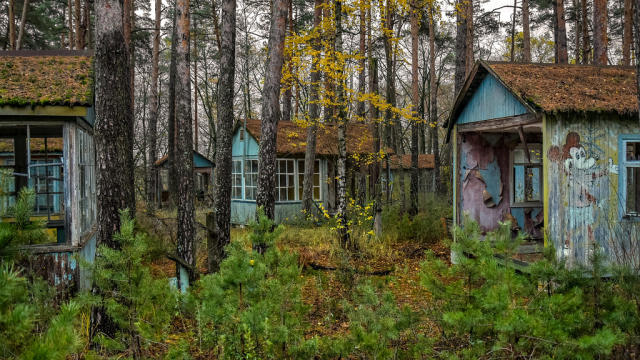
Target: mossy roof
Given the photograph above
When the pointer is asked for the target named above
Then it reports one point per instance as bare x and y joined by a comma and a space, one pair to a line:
58, 80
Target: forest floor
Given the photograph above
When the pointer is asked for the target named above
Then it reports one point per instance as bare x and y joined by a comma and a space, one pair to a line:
331, 275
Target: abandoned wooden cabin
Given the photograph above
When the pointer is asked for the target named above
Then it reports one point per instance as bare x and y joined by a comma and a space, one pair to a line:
555, 149
291, 147
400, 165
202, 176
46, 143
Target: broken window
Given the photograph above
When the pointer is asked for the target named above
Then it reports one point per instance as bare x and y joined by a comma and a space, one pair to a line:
316, 179
630, 173
526, 176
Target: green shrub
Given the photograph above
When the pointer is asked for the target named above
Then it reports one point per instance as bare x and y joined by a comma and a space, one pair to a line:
252, 308
489, 309
140, 306
428, 226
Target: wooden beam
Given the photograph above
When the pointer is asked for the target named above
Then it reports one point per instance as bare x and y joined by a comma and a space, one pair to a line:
47, 110
524, 142
505, 123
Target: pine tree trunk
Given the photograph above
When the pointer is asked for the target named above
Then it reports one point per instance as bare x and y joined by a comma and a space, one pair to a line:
171, 122
224, 135
468, 45
70, 25
433, 101
578, 31
77, 18
12, 25
526, 36
343, 228
415, 176
360, 108
271, 109
600, 32
184, 145
314, 114
375, 124
513, 31
627, 35
586, 44
113, 136
636, 28
153, 111
23, 19
461, 33
288, 94
388, 16
562, 56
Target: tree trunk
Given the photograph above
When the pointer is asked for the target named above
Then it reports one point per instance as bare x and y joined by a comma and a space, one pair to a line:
70, 25
171, 122
343, 227
600, 32
375, 124
513, 30
526, 37
184, 146
636, 28
314, 112
113, 137
271, 109
23, 19
288, 94
468, 45
433, 101
388, 16
154, 109
224, 135
627, 35
586, 44
461, 34
12, 26
415, 176
360, 107
86, 26
77, 19
578, 30
562, 56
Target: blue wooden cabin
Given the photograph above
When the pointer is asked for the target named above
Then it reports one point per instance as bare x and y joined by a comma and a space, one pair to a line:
202, 176
555, 149
46, 143
291, 147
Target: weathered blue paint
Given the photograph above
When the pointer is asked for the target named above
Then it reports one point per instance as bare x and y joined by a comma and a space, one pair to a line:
490, 101
622, 177
86, 254
491, 176
199, 161
237, 147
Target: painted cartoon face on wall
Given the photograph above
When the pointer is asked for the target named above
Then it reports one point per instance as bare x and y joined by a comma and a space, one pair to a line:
584, 180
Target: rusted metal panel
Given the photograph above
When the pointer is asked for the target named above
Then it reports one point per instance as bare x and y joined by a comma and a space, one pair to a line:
582, 186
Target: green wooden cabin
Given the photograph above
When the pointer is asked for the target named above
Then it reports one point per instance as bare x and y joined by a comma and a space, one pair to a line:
46, 143
555, 149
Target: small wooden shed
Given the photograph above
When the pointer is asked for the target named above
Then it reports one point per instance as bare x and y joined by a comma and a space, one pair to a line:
46, 143
202, 176
556, 150
291, 147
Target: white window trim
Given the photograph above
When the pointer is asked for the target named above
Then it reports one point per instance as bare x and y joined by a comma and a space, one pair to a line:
622, 175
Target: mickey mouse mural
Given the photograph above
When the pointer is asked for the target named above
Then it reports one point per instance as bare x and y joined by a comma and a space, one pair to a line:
585, 179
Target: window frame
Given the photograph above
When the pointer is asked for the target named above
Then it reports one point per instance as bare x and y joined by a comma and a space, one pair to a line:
539, 165
293, 175
246, 176
623, 164
233, 178
300, 172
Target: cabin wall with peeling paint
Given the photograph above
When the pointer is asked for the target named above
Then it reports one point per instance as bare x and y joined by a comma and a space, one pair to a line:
582, 203
484, 164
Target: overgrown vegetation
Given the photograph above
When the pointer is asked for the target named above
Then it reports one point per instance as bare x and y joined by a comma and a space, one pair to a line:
268, 302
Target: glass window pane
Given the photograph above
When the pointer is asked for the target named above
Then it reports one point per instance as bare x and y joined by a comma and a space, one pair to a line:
633, 151
532, 184
316, 193
518, 184
519, 156
633, 191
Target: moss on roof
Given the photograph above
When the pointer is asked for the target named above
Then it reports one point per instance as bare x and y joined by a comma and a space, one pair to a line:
45, 80
566, 88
